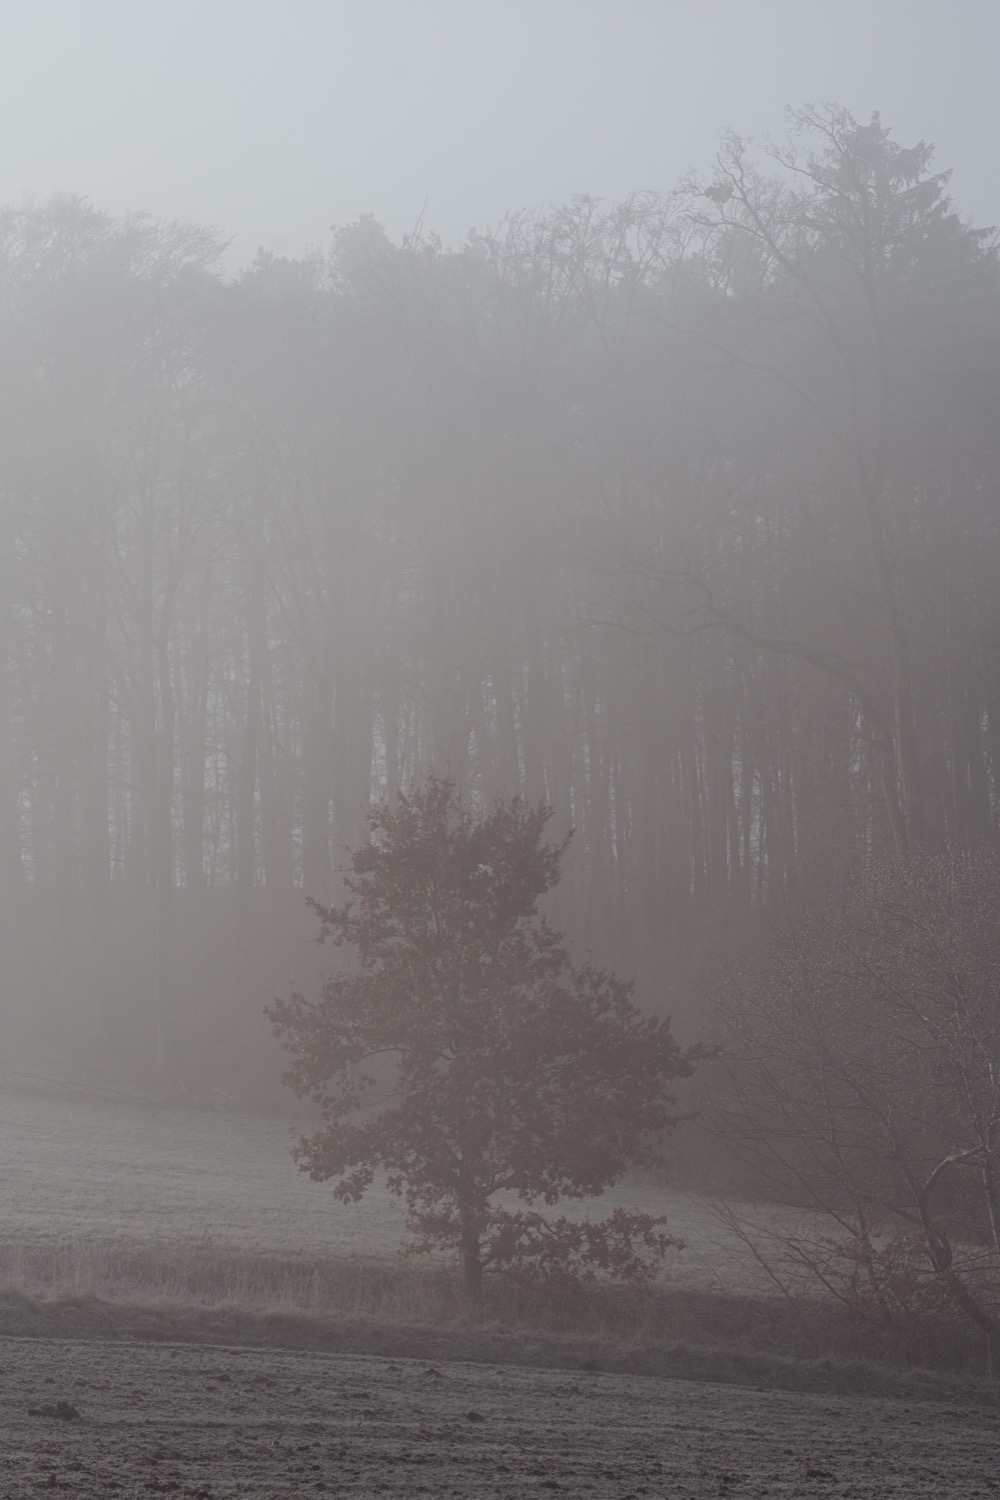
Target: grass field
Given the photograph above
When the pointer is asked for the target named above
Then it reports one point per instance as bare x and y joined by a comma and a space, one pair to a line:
124, 1220
84, 1171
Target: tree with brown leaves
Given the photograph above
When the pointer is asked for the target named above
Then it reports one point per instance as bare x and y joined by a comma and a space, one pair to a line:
467, 1058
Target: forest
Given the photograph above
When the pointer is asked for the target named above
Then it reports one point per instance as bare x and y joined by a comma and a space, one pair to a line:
681, 515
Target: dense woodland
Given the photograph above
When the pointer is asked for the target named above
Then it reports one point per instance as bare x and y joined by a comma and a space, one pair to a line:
682, 515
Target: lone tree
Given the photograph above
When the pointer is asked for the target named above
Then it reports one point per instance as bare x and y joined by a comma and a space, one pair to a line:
504, 1069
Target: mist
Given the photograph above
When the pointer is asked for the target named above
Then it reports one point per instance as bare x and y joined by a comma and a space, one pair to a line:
676, 514
270, 126
518, 460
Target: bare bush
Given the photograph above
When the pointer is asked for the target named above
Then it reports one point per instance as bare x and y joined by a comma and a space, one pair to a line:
863, 1081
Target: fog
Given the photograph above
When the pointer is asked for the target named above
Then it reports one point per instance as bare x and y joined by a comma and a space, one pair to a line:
667, 495
430, 430
272, 123
679, 514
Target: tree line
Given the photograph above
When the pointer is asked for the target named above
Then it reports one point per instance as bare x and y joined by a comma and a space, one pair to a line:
678, 515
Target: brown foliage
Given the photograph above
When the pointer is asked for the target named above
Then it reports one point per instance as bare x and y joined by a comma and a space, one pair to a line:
512, 1070
886, 1281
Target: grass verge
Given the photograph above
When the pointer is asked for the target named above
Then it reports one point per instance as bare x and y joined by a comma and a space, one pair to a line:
88, 1289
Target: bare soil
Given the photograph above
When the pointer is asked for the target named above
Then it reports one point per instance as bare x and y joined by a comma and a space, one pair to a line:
98, 1419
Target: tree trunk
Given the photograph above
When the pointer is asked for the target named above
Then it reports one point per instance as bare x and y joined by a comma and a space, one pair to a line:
472, 1269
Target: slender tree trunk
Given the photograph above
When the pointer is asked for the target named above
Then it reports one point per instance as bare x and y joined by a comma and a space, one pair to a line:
900, 656
168, 1033
472, 1266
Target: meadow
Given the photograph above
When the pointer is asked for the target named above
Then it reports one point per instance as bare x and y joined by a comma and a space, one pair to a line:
126, 1219
85, 1171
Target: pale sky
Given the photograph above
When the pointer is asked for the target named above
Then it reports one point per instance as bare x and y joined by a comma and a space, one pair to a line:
271, 120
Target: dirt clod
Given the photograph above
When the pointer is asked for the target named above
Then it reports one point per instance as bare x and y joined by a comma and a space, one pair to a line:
63, 1411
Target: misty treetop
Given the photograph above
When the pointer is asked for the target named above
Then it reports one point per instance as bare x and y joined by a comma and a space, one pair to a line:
680, 515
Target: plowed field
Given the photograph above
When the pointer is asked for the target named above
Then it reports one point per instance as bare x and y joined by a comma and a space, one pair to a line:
145, 1419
